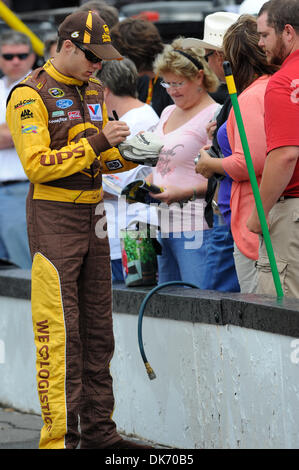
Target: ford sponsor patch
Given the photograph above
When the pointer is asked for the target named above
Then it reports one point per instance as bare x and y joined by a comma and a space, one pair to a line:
64, 103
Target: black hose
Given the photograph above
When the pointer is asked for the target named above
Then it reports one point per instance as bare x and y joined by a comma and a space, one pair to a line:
149, 369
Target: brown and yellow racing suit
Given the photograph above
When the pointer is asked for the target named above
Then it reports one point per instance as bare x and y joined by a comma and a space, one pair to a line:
56, 123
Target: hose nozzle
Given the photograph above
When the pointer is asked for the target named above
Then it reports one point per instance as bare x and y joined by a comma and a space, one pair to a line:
150, 371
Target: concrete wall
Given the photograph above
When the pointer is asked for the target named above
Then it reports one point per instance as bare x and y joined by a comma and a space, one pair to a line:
226, 377
216, 387
17, 370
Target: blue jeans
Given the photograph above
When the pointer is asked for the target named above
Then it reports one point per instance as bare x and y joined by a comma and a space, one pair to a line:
183, 257
117, 270
14, 245
220, 262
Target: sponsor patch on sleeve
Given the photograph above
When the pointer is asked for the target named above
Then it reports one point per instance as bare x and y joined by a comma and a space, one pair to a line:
26, 114
29, 130
114, 165
22, 103
95, 112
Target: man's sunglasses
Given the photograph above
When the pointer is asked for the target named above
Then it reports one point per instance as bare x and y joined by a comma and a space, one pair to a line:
206, 57
89, 55
19, 56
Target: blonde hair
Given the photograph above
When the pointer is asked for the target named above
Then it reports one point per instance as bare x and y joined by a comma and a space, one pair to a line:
170, 61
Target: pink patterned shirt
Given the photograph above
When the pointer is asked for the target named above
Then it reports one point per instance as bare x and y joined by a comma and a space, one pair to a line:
176, 166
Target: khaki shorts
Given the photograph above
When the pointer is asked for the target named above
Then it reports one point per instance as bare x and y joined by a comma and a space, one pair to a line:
246, 272
284, 233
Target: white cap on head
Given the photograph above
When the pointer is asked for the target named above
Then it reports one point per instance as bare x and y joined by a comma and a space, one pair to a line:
215, 27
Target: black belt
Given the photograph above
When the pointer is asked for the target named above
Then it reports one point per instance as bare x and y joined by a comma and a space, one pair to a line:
5, 183
282, 198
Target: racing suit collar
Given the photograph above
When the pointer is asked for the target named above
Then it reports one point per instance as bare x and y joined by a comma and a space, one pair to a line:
54, 73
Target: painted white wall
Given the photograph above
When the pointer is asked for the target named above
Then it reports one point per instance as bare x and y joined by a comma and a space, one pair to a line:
216, 387
17, 371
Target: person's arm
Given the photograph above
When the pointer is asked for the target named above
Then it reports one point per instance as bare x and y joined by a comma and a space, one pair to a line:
149, 178
235, 166
281, 127
252, 109
172, 194
207, 165
211, 128
5, 137
278, 171
32, 140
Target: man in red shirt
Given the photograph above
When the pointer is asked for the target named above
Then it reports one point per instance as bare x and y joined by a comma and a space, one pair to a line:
278, 26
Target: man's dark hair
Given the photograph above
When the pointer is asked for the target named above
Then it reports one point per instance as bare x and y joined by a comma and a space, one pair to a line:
264, 8
281, 13
139, 40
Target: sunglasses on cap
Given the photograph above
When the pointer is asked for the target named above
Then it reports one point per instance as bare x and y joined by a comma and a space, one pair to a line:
19, 56
88, 55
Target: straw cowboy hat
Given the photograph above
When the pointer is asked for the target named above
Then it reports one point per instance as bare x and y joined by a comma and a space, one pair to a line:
215, 27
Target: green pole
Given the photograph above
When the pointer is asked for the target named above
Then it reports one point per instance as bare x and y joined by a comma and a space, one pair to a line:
259, 206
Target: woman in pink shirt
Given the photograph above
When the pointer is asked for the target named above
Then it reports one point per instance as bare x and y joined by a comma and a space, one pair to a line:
182, 127
252, 73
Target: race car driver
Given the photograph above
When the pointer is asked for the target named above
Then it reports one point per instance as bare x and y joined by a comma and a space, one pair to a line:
62, 134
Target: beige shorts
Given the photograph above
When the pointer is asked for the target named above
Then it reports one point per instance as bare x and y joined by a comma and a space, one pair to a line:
246, 272
284, 234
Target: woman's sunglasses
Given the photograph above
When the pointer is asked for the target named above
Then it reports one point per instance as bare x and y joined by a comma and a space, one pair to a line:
19, 56
89, 55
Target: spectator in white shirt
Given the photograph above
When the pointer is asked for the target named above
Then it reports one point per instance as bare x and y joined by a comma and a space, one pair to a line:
120, 81
16, 61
